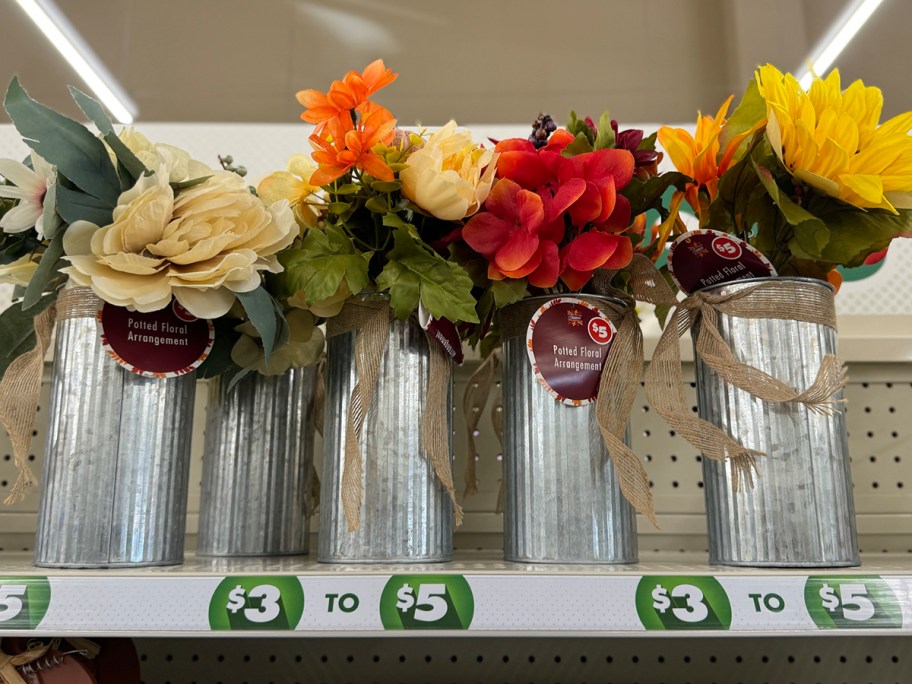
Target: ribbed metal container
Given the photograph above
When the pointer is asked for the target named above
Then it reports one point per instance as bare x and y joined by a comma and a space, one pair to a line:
114, 491
800, 511
562, 500
257, 466
406, 515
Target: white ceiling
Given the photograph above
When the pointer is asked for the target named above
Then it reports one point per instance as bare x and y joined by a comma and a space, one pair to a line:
489, 61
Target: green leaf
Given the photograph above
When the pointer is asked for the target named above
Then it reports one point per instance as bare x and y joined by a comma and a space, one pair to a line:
649, 142
853, 233
48, 269
378, 205
749, 111
219, 360
648, 194
339, 208
508, 291
17, 332
51, 200
130, 163
580, 145
605, 137
391, 220
74, 205
77, 154
578, 126
177, 186
240, 375
261, 310
386, 186
318, 266
811, 234
346, 189
414, 273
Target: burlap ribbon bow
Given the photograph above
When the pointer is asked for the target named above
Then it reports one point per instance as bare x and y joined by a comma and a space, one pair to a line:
618, 384
777, 299
370, 320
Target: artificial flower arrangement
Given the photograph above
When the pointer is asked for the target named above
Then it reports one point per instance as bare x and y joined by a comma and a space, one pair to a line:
142, 224
809, 178
380, 205
566, 214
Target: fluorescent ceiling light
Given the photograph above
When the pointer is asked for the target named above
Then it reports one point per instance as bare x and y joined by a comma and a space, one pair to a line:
840, 35
66, 39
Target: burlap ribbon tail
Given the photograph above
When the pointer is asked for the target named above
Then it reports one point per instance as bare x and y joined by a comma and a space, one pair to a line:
371, 320
788, 300
618, 384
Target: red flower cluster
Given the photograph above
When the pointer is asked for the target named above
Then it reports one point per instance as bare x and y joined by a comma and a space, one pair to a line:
552, 217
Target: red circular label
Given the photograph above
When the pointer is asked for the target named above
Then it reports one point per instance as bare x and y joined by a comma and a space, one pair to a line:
726, 248
703, 258
568, 341
159, 344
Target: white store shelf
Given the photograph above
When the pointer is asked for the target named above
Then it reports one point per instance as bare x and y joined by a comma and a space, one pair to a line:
507, 599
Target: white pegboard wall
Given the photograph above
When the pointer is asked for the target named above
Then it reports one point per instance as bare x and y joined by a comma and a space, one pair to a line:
685, 660
880, 435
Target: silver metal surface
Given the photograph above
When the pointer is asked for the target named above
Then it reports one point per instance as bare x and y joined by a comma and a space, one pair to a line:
114, 489
258, 466
800, 511
562, 501
406, 514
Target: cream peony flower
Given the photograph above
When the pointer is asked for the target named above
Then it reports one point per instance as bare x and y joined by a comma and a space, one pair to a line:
163, 158
18, 272
444, 177
305, 342
201, 247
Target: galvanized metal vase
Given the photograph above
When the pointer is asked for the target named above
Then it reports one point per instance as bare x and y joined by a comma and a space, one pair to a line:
562, 499
799, 511
258, 466
405, 515
114, 490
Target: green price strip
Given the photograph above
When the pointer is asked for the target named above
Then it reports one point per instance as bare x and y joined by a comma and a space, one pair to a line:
257, 603
23, 601
427, 602
852, 602
682, 603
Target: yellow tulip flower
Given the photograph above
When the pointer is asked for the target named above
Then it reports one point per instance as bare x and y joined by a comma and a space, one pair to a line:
830, 139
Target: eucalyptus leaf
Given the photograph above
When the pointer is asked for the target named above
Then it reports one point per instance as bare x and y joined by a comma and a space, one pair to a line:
391, 220
77, 154
74, 205
260, 310
128, 161
48, 269
17, 332
413, 273
386, 186
240, 375
378, 205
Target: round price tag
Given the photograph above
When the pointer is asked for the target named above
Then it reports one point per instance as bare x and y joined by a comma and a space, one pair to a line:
683, 603
702, 258
852, 602
160, 344
568, 341
257, 603
427, 602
